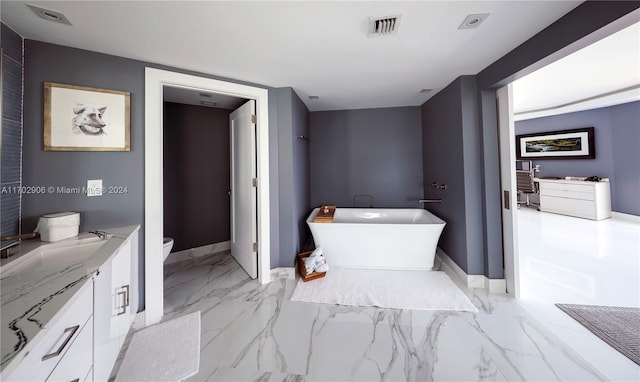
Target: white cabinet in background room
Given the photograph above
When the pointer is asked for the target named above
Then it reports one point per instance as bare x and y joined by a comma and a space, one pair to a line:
116, 304
589, 200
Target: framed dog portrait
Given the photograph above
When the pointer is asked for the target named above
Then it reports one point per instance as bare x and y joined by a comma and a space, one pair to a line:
78, 118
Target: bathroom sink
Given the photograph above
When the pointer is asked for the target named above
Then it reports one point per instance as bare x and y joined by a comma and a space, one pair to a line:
52, 256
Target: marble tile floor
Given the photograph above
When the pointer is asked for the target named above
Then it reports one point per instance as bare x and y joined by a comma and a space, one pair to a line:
565, 259
253, 332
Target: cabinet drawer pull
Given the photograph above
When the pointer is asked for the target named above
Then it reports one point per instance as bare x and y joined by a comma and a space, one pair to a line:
72, 330
125, 300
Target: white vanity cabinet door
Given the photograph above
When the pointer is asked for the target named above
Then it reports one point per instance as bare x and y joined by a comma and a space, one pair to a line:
76, 363
113, 311
56, 341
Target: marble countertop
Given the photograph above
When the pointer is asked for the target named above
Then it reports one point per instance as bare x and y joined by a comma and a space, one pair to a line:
34, 289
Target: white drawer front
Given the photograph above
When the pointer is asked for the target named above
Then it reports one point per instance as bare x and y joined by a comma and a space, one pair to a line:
586, 188
569, 194
77, 361
56, 339
573, 207
566, 186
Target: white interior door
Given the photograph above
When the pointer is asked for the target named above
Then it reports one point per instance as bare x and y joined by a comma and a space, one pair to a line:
243, 188
509, 195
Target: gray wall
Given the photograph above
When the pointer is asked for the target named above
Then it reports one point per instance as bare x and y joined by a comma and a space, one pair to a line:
368, 151
625, 120
46, 62
293, 174
616, 134
451, 146
10, 175
196, 175
301, 170
55, 63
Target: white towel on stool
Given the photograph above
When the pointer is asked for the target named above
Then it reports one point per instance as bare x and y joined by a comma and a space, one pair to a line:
311, 263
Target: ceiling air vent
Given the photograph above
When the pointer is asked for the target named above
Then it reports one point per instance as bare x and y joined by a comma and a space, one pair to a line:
380, 26
473, 21
49, 15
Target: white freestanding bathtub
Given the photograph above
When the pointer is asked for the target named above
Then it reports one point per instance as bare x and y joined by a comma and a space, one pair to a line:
378, 238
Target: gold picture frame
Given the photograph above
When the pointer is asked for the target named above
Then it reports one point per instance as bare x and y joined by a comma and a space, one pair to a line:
80, 118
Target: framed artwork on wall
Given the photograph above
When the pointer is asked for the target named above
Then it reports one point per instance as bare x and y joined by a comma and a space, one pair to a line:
79, 118
561, 144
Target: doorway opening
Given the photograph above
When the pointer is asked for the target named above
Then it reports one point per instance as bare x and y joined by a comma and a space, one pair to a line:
155, 82
196, 172
555, 93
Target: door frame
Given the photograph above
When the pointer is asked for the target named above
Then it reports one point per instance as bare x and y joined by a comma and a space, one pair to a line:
155, 80
509, 195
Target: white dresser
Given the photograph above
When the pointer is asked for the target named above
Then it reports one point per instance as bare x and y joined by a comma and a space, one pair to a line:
589, 200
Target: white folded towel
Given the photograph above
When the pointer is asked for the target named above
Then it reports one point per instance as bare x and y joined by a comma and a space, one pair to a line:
311, 264
322, 267
316, 252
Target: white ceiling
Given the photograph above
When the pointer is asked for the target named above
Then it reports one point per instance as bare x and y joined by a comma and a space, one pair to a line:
318, 48
198, 98
604, 73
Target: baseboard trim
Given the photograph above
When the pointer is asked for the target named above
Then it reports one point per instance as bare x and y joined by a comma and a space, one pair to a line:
625, 217
204, 250
283, 273
472, 281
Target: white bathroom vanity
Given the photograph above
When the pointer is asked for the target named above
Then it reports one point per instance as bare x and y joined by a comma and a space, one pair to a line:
67, 306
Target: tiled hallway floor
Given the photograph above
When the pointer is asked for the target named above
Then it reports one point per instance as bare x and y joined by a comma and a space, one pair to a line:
254, 332
570, 260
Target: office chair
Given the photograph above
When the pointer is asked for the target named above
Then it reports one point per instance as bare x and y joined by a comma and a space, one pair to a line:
524, 182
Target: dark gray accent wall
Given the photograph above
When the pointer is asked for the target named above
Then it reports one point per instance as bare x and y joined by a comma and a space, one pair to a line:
274, 184
452, 153
49, 62
196, 175
11, 151
293, 174
373, 152
490, 195
625, 120
616, 135
301, 170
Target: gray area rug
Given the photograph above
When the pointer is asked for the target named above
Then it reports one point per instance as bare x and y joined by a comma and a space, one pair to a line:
619, 327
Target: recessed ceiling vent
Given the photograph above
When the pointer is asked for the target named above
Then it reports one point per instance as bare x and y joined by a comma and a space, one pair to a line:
49, 15
387, 25
473, 21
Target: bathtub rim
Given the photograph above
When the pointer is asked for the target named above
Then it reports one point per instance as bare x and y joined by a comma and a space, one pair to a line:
440, 221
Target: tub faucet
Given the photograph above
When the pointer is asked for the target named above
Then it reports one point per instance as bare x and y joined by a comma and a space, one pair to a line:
370, 197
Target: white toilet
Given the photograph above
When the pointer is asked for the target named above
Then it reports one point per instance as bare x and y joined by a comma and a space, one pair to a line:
167, 244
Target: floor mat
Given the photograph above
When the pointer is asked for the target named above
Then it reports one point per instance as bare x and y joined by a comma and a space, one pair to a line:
617, 326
